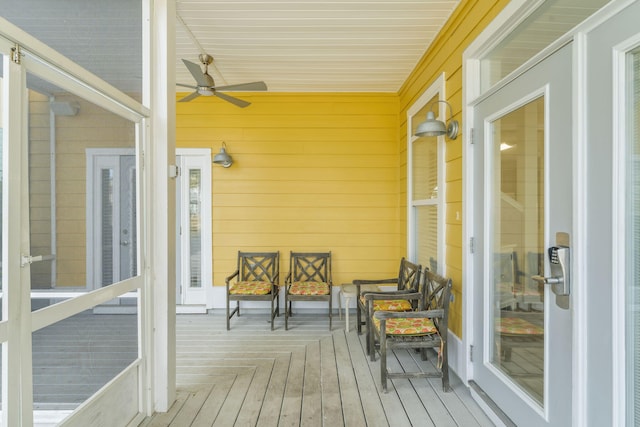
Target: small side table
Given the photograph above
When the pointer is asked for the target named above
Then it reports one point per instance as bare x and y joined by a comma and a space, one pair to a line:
348, 291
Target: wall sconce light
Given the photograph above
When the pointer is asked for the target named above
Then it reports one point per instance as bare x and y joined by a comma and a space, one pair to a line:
433, 127
222, 158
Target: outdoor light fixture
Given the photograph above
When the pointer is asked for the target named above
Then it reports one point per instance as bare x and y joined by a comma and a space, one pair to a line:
433, 127
222, 158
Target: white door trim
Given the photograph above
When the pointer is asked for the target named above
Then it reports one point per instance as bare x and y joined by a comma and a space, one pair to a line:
203, 157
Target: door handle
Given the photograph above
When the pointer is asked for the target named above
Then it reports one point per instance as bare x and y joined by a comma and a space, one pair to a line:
548, 280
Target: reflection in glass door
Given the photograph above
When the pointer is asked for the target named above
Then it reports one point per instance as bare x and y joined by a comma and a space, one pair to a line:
518, 245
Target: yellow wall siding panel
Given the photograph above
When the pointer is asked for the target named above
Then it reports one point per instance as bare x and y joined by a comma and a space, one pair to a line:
311, 172
454, 213
454, 191
454, 170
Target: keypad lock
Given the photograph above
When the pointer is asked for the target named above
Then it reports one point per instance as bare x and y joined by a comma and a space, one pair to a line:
560, 269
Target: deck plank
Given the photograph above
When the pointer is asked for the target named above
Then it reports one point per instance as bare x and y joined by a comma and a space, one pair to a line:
306, 376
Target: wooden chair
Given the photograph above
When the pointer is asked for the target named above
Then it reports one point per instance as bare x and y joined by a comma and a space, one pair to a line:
422, 329
407, 281
256, 279
309, 279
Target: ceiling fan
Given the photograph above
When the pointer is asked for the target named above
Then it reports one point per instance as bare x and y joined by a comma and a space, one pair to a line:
206, 86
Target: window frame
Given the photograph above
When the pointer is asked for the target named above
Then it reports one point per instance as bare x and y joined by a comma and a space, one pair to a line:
436, 89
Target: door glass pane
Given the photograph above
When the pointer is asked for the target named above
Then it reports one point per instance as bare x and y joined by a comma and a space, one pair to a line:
518, 242
545, 25
195, 228
633, 243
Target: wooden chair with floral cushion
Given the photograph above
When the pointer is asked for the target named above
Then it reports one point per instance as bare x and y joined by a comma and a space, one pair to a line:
309, 279
407, 281
256, 279
425, 328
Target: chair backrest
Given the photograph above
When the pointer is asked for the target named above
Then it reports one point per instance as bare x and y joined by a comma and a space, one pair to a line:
409, 276
437, 292
310, 267
259, 266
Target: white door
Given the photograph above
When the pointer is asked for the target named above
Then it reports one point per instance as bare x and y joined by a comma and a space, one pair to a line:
111, 213
523, 172
193, 218
613, 184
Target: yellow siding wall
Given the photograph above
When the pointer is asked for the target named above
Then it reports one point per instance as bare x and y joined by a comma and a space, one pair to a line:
311, 172
445, 55
40, 188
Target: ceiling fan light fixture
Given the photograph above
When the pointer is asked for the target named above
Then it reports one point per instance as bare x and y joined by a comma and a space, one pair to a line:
222, 158
205, 91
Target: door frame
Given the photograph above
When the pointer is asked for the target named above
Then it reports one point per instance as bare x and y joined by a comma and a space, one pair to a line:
497, 30
203, 155
92, 215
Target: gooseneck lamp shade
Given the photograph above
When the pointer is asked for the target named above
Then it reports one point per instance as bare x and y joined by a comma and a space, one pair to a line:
433, 127
222, 158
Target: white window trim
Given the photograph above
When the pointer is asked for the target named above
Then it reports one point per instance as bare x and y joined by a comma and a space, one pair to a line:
437, 88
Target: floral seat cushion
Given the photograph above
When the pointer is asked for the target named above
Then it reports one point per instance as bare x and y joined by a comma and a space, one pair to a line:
250, 288
517, 326
389, 305
410, 326
309, 288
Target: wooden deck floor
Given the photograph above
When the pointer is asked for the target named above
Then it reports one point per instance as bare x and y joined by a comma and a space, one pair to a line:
306, 376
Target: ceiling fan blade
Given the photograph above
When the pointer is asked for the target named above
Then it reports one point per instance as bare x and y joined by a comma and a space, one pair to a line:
236, 101
196, 72
189, 86
189, 97
253, 86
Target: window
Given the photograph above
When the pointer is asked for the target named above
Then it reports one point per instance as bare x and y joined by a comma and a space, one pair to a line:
425, 184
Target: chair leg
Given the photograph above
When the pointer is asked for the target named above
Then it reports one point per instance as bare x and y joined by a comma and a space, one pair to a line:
445, 369
358, 317
287, 308
330, 311
228, 318
383, 362
272, 314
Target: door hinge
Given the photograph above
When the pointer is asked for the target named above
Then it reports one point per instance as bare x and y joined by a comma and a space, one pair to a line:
472, 245
471, 134
471, 353
16, 54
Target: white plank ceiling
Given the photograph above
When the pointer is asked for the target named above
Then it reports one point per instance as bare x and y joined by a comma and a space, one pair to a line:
291, 45
309, 45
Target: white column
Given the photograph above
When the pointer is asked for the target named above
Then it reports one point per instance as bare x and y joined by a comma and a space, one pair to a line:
160, 303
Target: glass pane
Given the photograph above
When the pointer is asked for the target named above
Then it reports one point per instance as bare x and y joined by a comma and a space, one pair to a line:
195, 230
633, 244
424, 159
74, 358
550, 21
518, 224
82, 192
105, 37
427, 228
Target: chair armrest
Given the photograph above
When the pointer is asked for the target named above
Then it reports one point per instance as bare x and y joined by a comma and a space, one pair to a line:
431, 314
228, 279
374, 282
395, 295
